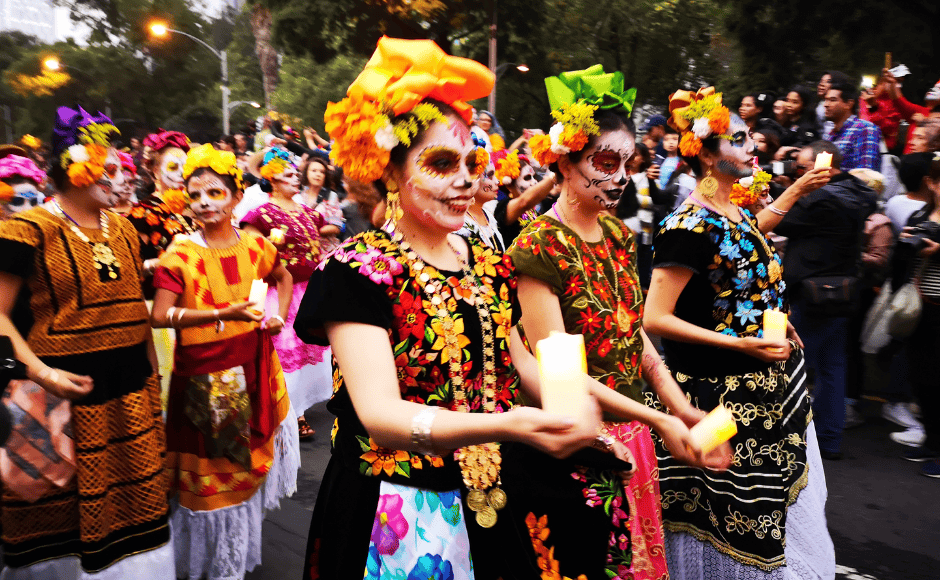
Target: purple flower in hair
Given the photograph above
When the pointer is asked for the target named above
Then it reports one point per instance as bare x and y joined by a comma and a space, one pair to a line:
74, 126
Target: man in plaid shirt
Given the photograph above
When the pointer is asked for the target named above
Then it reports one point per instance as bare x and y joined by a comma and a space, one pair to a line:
858, 140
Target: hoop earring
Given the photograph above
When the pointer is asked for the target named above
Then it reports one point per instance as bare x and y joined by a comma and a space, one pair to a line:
709, 186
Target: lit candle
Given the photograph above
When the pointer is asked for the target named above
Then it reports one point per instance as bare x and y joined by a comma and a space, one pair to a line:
562, 373
714, 429
775, 325
823, 160
276, 236
259, 291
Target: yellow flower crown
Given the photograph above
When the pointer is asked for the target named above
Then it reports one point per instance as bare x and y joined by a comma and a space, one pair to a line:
273, 168
221, 162
697, 116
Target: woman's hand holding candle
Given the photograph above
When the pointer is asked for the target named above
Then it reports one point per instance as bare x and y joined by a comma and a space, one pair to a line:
257, 295
823, 159
276, 236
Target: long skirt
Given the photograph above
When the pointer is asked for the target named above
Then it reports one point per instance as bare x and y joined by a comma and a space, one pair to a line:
232, 450
111, 511
307, 367
646, 516
809, 551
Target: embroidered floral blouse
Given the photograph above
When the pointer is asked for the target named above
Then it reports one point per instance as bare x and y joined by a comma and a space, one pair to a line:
301, 250
368, 280
733, 282
599, 292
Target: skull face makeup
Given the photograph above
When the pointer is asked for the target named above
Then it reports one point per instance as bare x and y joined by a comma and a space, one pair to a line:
439, 177
25, 196
210, 198
289, 179
103, 191
736, 154
603, 171
170, 168
525, 180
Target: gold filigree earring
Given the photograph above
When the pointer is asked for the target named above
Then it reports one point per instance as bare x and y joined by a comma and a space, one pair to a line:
708, 186
393, 211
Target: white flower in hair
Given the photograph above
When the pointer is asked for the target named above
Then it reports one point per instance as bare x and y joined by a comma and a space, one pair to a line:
555, 134
701, 128
385, 137
78, 154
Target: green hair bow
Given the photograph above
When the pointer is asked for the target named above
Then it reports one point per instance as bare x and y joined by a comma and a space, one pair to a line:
591, 85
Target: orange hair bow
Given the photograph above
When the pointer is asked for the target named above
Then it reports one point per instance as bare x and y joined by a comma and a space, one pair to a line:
403, 72
679, 103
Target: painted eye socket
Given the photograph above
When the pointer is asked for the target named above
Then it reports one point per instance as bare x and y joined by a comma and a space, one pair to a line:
606, 161
172, 166
439, 161
474, 162
738, 138
111, 169
527, 178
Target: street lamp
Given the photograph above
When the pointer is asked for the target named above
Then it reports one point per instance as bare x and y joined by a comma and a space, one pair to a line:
161, 30
236, 104
500, 71
53, 64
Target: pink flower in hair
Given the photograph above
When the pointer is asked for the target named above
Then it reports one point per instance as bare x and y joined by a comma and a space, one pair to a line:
18, 166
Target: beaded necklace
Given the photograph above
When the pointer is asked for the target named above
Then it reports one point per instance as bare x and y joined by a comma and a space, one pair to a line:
101, 252
479, 464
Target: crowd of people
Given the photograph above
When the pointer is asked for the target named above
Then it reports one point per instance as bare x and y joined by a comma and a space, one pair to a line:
175, 307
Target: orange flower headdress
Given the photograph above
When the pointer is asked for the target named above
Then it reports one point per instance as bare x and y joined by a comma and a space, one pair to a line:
697, 116
750, 189
80, 141
372, 120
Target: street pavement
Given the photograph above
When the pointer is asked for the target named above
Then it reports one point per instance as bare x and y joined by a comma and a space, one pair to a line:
883, 515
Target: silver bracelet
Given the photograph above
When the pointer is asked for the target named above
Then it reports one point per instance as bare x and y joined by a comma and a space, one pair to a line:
169, 316
779, 212
421, 430
277, 317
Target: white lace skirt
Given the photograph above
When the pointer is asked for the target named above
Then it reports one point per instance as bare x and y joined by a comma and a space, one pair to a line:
224, 544
809, 551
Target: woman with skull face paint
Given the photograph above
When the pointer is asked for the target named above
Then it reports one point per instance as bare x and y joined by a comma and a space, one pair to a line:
421, 322
480, 220
125, 193
158, 221
578, 274
232, 446
715, 274
519, 193
94, 504
20, 182
295, 230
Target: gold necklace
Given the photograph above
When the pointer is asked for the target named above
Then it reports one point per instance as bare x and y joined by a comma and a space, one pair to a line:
774, 268
101, 252
479, 464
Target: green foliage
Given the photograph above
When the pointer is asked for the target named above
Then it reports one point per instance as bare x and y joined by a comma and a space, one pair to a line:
306, 86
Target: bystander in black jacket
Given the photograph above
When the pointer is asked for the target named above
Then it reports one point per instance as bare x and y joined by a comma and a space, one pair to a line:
825, 230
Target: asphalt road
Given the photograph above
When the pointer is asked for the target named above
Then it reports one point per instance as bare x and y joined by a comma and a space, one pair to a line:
882, 514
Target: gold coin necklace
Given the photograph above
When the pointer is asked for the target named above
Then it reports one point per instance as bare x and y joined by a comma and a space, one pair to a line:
479, 464
774, 269
101, 252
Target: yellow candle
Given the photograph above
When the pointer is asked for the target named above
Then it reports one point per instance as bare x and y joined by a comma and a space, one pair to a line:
562, 373
259, 291
714, 429
823, 160
276, 236
775, 325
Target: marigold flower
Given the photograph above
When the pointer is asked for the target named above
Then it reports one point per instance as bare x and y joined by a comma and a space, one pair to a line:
573, 138
719, 120
541, 146
743, 196
690, 145
508, 168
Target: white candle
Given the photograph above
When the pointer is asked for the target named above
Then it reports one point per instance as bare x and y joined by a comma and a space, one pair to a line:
259, 291
714, 428
823, 160
276, 236
775, 325
562, 373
